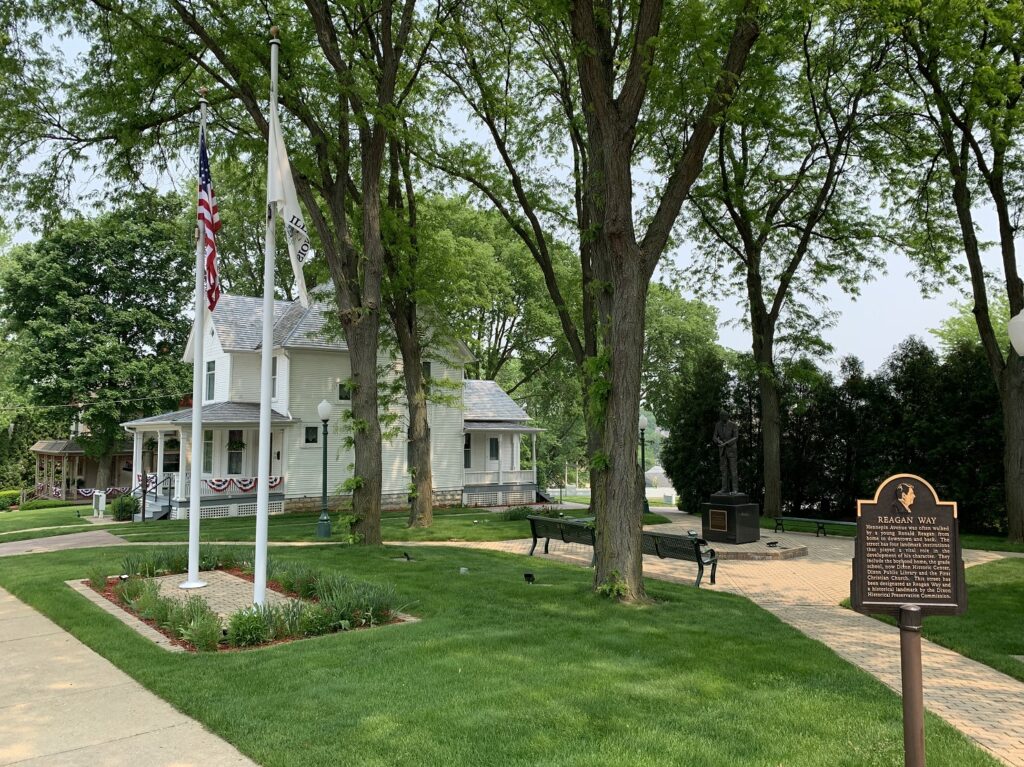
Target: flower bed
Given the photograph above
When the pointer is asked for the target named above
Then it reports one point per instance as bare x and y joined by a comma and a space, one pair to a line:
319, 602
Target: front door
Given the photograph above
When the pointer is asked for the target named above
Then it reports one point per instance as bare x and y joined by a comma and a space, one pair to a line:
276, 446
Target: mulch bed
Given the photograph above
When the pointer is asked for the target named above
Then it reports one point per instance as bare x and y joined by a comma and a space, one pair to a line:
110, 595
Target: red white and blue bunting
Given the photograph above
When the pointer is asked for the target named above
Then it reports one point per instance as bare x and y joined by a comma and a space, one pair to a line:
219, 485
274, 482
246, 484
243, 484
86, 492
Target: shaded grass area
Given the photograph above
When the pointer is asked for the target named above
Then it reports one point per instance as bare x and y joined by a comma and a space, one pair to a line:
585, 499
992, 629
503, 673
13, 521
449, 525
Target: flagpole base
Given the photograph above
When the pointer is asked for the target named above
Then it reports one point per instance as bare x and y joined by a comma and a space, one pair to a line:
192, 585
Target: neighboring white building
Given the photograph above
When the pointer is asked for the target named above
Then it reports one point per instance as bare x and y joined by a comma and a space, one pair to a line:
475, 444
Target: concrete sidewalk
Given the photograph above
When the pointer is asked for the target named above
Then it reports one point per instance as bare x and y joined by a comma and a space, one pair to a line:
62, 704
984, 704
60, 543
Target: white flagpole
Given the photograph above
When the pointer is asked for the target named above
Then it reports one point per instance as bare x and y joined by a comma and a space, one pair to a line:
263, 479
198, 375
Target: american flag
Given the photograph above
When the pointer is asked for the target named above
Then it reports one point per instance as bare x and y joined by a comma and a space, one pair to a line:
209, 219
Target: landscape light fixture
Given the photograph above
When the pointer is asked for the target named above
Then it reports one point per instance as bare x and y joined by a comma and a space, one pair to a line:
1015, 328
323, 525
407, 557
123, 577
528, 577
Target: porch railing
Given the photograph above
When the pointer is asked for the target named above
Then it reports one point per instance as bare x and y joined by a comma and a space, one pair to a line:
222, 487
502, 477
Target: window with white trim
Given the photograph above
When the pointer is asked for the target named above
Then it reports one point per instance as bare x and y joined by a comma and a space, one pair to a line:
495, 448
273, 377
207, 451
211, 378
467, 452
236, 451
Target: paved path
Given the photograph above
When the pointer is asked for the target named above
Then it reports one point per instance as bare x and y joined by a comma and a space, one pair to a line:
60, 543
59, 704
984, 704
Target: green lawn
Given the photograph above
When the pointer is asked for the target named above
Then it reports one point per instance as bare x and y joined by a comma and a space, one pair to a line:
503, 673
449, 525
585, 499
14, 521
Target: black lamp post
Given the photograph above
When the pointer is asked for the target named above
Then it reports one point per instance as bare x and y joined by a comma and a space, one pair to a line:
323, 525
643, 461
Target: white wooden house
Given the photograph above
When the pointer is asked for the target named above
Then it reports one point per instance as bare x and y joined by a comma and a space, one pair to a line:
476, 444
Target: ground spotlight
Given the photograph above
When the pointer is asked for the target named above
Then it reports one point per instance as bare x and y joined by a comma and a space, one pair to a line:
528, 577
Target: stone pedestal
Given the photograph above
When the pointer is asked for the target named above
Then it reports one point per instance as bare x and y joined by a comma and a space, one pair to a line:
730, 518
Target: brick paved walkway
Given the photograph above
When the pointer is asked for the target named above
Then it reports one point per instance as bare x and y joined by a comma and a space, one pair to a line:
984, 704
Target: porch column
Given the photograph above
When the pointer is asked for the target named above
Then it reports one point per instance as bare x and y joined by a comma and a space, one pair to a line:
136, 457
533, 456
38, 467
186, 467
159, 468
64, 478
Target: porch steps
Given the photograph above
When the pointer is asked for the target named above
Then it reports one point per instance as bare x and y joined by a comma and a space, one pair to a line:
543, 497
154, 511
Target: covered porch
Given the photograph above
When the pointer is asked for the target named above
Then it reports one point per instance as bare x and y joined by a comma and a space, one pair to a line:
65, 472
228, 475
493, 470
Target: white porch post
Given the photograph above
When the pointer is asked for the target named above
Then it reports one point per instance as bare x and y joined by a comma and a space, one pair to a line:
136, 457
38, 462
159, 468
533, 456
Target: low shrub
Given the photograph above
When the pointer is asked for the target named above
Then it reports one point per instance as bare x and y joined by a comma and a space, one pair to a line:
124, 507
150, 605
203, 632
516, 513
8, 498
184, 613
329, 584
46, 503
290, 616
98, 577
248, 627
316, 620
298, 578
128, 590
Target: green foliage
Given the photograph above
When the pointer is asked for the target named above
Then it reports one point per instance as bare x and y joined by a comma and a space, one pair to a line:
203, 632
316, 620
94, 311
842, 435
613, 588
124, 507
129, 589
352, 484
600, 461
8, 498
517, 512
46, 503
98, 577
248, 627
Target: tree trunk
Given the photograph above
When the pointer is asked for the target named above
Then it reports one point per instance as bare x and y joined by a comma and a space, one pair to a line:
768, 388
1011, 394
421, 510
619, 502
362, 344
103, 473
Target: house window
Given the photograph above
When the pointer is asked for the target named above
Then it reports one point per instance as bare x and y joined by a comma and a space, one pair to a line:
273, 377
426, 371
494, 448
408, 454
312, 435
211, 378
207, 451
236, 449
344, 392
467, 452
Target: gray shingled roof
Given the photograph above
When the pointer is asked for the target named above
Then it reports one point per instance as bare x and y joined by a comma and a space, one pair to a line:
218, 412
515, 426
239, 321
70, 447
307, 330
486, 401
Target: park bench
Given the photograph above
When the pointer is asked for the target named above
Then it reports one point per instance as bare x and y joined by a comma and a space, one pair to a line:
663, 545
561, 529
685, 547
780, 524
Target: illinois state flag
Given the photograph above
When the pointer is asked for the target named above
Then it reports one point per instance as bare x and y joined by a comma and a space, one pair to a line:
281, 189
209, 220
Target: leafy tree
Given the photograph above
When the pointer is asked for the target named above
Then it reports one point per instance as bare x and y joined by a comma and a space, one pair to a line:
621, 85
784, 209
95, 313
954, 130
347, 74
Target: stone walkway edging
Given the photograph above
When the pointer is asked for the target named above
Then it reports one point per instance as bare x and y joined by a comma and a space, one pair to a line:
124, 616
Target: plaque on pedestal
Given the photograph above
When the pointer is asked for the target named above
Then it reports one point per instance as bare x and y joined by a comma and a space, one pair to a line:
731, 518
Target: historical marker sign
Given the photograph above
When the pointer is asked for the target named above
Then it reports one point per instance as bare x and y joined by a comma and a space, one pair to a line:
907, 551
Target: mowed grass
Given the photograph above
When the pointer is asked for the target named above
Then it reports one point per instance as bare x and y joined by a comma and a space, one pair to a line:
449, 525
15, 521
503, 673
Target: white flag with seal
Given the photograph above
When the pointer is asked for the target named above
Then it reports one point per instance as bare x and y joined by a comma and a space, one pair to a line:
281, 189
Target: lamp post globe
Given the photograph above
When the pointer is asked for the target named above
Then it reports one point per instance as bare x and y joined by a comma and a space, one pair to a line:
643, 461
323, 525
1016, 330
